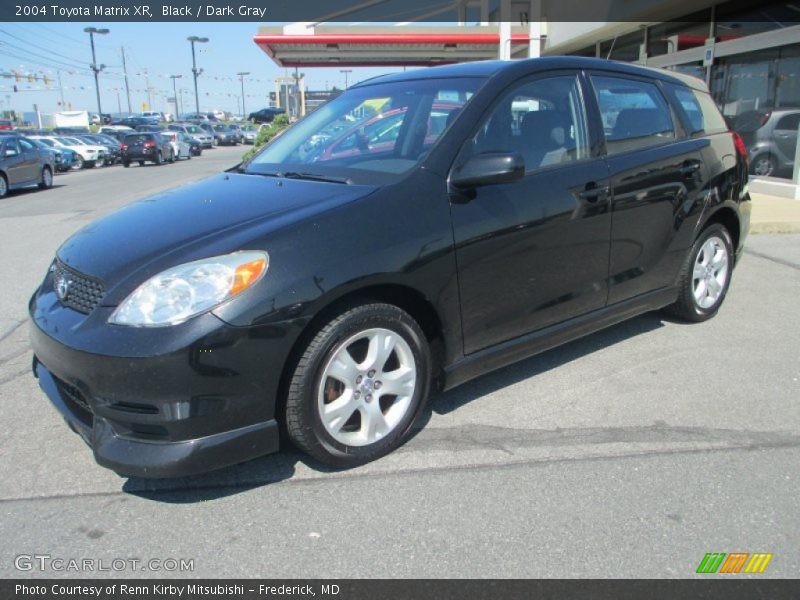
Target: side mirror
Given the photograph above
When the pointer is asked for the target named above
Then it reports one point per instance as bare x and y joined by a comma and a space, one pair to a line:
489, 168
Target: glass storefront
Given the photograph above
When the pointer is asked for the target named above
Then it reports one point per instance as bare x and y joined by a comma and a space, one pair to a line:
758, 91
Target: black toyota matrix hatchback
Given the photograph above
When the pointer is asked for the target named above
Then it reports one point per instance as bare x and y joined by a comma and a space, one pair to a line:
419, 230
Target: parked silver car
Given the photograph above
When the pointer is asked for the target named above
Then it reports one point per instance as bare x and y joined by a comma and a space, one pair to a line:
771, 139
192, 130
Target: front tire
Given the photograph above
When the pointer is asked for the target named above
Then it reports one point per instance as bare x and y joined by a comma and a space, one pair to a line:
705, 276
763, 166
359, 386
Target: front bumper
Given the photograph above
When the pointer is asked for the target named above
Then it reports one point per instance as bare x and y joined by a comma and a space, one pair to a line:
195, 401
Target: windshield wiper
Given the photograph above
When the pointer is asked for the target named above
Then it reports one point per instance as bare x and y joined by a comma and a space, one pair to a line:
296, 175
314, 177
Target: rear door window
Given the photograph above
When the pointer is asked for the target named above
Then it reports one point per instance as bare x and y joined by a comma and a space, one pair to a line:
634, 114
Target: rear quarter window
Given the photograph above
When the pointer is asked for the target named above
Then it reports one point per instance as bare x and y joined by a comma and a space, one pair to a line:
698, 110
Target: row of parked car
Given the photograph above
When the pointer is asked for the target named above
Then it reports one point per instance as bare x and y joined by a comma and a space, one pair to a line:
31, 157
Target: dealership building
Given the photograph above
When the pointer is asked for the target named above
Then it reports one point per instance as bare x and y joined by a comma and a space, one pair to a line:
747, 52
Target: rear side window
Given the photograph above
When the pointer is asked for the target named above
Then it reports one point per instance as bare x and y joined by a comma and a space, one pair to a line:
634, 114
699, 110
789, 122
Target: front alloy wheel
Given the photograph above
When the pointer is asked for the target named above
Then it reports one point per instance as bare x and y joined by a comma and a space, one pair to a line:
359, 385
366, 388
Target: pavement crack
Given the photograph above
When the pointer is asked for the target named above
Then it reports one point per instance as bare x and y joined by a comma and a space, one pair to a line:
14, 327
775, 259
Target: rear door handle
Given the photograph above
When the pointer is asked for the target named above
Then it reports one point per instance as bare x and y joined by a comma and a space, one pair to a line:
593, 193
689, 168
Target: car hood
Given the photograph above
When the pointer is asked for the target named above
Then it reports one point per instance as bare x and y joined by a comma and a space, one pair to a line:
221, 214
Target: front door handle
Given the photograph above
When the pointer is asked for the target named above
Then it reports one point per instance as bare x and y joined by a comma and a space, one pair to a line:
689, 168
593, 193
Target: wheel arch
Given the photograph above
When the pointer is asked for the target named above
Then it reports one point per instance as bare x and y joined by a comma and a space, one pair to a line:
405, 297
727, 217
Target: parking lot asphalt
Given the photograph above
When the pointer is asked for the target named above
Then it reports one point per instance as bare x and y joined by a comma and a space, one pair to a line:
629, 453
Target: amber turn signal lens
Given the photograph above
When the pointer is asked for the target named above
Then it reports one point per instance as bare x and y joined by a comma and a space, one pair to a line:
246, 274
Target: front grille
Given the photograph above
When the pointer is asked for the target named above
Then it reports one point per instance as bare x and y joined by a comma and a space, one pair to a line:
76, 290
75, 400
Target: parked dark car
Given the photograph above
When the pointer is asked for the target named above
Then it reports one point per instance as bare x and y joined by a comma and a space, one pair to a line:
134, 122
24, 164
113, 146
195, 145
63, 158
771, 139
329, 297
146, 147
265, 115
227, 135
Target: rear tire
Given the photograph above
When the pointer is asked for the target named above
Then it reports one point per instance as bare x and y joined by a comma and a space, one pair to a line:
705, 276
159, 159
141, 163
78, 164
363, 350
126, 163
47, 179
3, 186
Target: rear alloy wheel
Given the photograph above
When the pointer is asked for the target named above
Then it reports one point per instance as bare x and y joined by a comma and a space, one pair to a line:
763, 166
3, 186
47, 179
359, 386
78, 164
705, 276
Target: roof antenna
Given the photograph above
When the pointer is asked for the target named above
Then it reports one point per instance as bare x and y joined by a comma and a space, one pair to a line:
610, 50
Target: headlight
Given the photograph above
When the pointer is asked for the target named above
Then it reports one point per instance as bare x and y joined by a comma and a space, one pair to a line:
175, 295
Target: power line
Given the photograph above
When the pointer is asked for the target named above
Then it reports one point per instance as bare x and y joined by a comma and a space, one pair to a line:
59, 54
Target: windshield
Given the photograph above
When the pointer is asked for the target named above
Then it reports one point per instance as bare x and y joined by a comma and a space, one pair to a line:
369, 133
46, 142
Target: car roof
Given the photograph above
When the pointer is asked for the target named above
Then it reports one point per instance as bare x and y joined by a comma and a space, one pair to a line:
494, 68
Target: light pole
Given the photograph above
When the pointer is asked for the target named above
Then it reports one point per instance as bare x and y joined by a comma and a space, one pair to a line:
175, 93
346, 73
193, 39
241, 78
91, 31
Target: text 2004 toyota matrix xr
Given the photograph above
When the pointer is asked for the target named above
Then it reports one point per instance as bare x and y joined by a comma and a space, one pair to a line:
328, 285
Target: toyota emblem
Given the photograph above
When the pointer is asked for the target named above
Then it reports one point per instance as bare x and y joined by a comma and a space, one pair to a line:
62, 286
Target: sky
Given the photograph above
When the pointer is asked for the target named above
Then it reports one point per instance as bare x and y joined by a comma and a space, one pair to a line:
153, 52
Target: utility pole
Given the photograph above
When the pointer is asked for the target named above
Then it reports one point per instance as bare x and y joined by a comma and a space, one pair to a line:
346, 73
175, 93
147, 88
193, 39
61, 91
241, 79
127, 88
92, 31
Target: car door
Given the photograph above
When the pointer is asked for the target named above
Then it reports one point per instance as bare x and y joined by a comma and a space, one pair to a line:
31, 160
657, 174
533, 252
786, 135
13, 162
